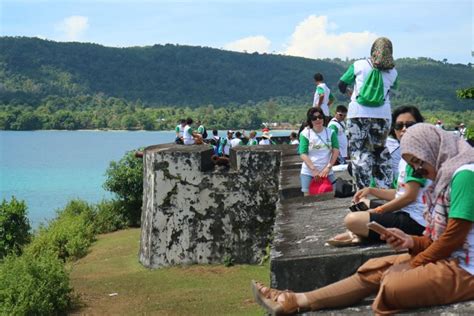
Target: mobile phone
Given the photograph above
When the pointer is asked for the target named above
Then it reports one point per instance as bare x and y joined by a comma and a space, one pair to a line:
376, 227
361, 206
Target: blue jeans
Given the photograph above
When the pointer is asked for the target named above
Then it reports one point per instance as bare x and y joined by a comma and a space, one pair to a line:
306, 180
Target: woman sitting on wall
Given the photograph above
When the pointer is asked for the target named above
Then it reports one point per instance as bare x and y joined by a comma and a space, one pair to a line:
437, 269
318, 148
405, 207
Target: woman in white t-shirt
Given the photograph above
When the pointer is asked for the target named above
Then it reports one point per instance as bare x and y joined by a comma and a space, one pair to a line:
318, 148
369, 114
405, 207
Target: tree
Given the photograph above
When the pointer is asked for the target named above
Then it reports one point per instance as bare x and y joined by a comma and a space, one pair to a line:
465, 93
125, 179
14, 227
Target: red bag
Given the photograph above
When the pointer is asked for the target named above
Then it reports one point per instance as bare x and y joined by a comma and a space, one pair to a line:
321, 186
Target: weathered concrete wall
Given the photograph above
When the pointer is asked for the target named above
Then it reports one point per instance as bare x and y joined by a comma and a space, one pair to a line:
193, 213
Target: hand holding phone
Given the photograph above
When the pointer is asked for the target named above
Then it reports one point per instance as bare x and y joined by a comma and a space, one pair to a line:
398, 240
376, 227
358, 207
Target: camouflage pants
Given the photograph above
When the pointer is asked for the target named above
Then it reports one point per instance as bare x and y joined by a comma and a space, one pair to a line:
369, 155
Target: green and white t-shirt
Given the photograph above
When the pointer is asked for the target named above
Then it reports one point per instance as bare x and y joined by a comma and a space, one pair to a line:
224, 148
322, 91
356, 74
188, 135
318, 147
340, 129
236, 142
201, 129
462, 207
179, 129
416, 208
252, 142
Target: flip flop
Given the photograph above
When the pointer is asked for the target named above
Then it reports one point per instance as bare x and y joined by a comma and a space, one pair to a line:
351, 240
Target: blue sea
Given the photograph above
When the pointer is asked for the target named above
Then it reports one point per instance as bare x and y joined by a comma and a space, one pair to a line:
46, 169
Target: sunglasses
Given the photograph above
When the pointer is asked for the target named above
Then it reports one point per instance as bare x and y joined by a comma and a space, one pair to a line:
398, 126
316, 117
420, 172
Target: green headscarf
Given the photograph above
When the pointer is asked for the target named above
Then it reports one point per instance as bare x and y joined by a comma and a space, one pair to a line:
381, 54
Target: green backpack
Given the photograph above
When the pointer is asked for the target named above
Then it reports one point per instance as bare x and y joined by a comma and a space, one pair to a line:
371, 94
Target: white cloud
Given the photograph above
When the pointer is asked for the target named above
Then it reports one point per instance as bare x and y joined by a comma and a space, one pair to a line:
250, 44
73, 27
312, 39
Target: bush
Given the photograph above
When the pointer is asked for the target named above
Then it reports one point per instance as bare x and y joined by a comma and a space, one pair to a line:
69, 235
14, 227
109, 217
34, 285
125, 179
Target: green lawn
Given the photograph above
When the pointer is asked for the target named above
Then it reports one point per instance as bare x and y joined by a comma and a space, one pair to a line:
112, 267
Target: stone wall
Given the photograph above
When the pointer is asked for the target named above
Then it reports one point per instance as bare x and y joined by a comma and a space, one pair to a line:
195, 213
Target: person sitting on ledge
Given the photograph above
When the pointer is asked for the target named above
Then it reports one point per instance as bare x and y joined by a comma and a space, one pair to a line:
405, 207
437, 269
190, 137
266, 139
294, 138
252, 141
318, 148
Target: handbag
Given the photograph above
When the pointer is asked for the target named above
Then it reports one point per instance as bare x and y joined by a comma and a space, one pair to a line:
344, 188
322, 185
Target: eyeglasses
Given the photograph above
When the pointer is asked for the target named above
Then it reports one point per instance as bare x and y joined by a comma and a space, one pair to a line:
398, 126
316, 117
420, 172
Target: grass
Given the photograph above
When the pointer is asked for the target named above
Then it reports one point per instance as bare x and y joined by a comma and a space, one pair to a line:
112, 267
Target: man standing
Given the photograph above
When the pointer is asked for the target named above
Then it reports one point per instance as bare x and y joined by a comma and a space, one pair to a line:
462, 131
224, 148
338, 125
323, 97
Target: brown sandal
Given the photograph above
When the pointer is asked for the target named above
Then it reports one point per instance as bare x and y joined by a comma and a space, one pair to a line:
287, 307
267, 292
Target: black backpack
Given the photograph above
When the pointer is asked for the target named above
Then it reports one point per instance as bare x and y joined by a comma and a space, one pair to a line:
343, 188
204, 134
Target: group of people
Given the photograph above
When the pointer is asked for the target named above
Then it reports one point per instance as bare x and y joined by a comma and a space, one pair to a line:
187, 135
430, 211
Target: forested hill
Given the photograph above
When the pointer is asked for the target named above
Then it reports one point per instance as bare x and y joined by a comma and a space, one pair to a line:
32, 69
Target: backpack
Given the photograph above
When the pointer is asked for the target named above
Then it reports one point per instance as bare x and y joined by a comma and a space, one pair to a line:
204, 134
343, 188
371, 93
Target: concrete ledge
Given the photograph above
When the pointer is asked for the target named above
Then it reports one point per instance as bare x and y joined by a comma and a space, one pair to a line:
300, 260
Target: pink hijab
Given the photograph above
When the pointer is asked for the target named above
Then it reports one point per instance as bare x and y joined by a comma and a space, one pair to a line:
443, 150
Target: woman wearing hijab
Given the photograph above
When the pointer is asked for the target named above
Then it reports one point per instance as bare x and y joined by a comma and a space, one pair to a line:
438, 268
369, 114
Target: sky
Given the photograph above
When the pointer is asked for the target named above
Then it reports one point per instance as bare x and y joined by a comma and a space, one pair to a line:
313, 29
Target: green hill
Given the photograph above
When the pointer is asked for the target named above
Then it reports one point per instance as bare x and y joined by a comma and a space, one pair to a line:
32, 69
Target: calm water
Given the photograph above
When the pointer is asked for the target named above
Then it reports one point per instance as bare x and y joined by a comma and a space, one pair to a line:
49, 168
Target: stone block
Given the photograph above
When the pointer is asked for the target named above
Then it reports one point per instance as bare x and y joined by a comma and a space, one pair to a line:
195, 214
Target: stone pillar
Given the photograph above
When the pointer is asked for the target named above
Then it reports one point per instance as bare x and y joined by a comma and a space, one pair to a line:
195, 214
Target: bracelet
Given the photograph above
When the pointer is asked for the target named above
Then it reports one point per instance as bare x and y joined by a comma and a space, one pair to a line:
378, 210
